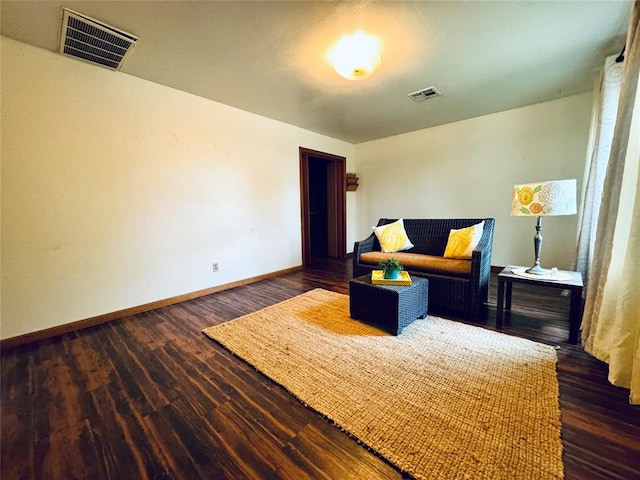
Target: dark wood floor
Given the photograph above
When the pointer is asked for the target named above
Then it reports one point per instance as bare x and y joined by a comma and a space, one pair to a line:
149, 396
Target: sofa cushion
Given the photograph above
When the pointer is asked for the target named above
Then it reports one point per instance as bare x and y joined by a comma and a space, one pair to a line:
393, 237
421, 263
462, 241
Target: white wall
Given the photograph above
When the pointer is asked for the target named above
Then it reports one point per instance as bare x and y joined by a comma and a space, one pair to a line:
467, 169
118, 192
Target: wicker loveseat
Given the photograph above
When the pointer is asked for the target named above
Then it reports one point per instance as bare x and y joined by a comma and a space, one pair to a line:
454, 284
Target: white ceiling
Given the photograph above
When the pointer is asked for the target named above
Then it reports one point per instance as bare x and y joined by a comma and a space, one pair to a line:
269, 57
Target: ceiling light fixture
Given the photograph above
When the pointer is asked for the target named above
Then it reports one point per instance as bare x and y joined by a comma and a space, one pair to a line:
355, 56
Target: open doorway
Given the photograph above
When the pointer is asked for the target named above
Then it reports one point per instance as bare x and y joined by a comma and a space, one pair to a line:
323, 200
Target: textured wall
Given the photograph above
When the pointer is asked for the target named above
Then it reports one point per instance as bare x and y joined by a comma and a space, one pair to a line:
467, 169
118, 192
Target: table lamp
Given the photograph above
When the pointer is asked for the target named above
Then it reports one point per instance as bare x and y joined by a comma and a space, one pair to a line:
555, 197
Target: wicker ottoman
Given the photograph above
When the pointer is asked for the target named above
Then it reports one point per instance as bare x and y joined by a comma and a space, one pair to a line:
388, 307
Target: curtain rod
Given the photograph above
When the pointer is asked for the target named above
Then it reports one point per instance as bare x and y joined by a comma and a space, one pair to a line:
620, 57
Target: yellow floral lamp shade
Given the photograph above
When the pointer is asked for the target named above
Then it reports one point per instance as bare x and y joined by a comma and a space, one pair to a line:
557, 197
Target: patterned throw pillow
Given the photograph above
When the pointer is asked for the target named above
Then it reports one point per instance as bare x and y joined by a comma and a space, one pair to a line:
462, 241
393, 237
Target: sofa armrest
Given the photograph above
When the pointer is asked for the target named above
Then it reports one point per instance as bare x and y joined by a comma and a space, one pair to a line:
481, 263
481, 266
363, 246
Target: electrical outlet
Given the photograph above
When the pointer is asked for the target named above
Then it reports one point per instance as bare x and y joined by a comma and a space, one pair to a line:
215, 266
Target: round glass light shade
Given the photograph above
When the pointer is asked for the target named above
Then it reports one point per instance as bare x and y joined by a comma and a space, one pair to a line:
355, 56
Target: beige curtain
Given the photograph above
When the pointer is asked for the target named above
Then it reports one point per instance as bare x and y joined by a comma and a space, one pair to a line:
611, 321
605, 109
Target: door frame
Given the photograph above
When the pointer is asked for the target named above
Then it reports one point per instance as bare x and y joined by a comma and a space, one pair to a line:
338, 205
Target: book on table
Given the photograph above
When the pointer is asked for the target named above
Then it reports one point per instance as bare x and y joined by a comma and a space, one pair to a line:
377, 278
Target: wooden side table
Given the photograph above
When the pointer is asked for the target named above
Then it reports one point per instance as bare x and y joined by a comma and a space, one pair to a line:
567, 280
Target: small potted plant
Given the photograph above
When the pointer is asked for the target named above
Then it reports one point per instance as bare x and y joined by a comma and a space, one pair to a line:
390, 268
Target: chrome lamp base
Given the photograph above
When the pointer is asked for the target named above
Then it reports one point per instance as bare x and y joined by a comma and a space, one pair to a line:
537, 245
537, 270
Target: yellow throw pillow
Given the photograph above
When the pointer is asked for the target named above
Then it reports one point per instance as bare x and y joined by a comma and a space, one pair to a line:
462, 242
393, 237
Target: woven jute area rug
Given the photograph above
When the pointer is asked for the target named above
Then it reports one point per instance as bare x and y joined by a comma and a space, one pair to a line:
443, 400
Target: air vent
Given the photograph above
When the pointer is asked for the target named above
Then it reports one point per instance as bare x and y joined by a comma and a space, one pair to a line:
93, 41
424, 94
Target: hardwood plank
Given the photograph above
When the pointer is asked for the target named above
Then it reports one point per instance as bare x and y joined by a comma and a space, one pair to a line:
333, 455
124, 448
